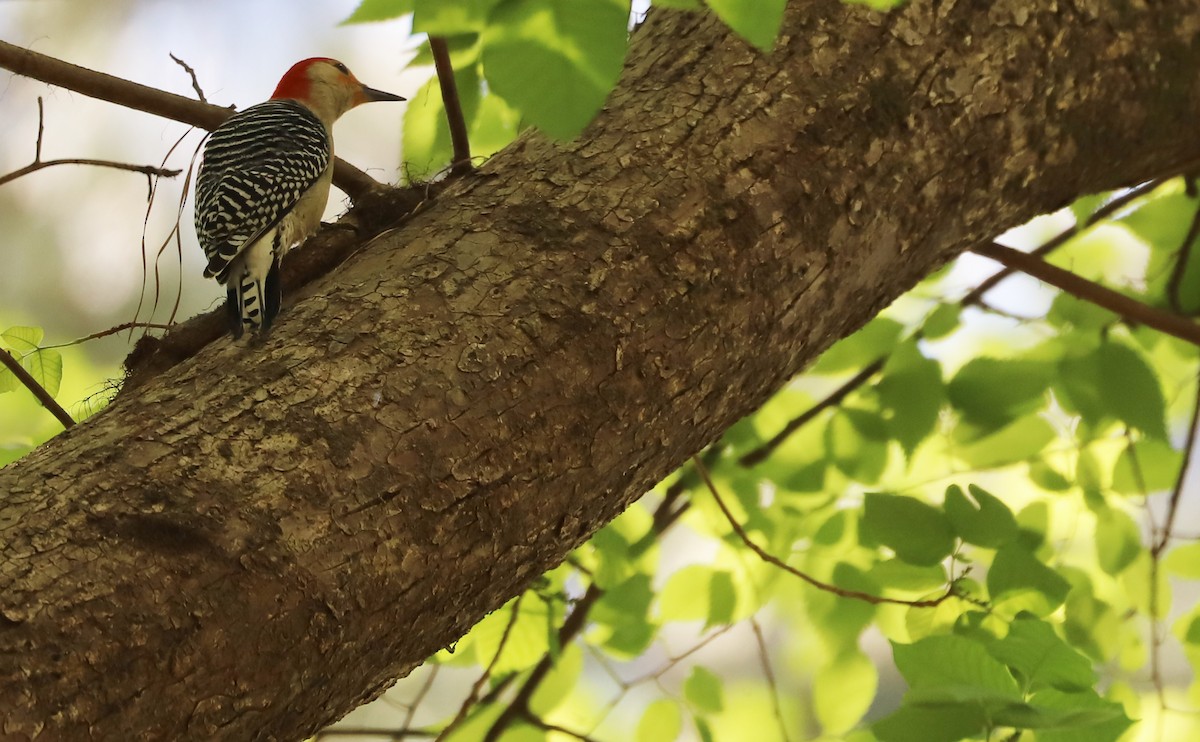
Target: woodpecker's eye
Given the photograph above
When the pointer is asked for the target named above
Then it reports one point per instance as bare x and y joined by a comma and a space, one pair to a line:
341, 68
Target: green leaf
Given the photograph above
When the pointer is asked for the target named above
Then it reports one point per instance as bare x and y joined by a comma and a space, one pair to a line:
912, 391
1184, 561
702, 689
1023, 440
1094, 719
952, 662
1114, 382
1132, 389
560, 681
662, 722
859, 457
874, 341
446, 18
1146, 466
756, 21
917, 532
45, 366
992, 393
21, 340
679, 4
1041, 658
980, 519
555, 60
698, 592
942, 321
722, 599
843, 691
914, 724
1016, 571
369, 11
1118, 540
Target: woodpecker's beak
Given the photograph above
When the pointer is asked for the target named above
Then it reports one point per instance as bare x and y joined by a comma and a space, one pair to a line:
368, 95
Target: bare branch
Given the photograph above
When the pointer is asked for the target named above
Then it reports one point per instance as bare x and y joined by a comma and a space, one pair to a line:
37, 389
762, 452
764, 658
150, 100
192, 74
33, 167
461, 162
1130, 309
773, 560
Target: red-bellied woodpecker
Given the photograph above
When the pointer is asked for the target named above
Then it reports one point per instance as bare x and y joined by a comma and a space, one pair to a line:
264, 182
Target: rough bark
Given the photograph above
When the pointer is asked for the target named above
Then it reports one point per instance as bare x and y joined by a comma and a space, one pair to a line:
260, 538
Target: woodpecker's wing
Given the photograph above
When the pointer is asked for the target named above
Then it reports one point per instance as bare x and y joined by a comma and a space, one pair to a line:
256, 167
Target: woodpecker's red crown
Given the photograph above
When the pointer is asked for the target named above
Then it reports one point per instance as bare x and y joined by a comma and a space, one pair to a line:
327, 86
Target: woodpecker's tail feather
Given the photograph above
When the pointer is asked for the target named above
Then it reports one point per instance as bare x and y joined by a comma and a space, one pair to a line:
253, 304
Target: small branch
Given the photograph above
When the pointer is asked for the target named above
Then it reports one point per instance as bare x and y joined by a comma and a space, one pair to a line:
1130, 309
33, 167
764, 658
1058, 240
147, 99
473, 696
547, 727
974, 297
113, 331
192, 74
827, 587
37, 389
1164, 536
757, 455
450, 101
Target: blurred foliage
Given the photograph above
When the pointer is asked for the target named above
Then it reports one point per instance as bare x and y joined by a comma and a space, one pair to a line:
1007, 484
1010, 506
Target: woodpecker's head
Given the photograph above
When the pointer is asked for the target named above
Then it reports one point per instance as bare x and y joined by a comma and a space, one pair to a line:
327, 87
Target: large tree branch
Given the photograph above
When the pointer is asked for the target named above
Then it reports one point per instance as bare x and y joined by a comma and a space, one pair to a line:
140, 97
259, 538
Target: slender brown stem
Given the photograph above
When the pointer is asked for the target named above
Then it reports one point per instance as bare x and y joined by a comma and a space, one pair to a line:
192, 74
33, 167
764, 658
762, 452
145, 98
773, 560
1130, 309
37, 389
1164, 536
473, 695
453, 105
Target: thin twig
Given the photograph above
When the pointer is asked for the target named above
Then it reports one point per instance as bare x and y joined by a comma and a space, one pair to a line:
473, 696
150, 100
548, 727
112, 331
421, 693
827, 587
1130, 309
1103, 212
192, 74
764, 658
37, 389
453, 105
972, 298
757, 455
1164, 536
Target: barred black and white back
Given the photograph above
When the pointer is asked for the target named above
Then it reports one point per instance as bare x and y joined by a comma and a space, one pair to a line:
257, 166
